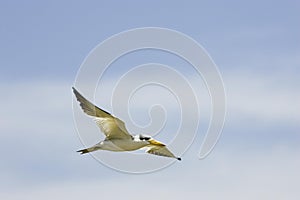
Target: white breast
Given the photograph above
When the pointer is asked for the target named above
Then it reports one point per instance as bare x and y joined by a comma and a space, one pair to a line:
122, 145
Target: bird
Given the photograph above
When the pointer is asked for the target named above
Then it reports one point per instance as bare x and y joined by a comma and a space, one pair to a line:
117, 138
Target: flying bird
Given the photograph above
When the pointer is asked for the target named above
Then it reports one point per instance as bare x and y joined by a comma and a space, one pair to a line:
117, 137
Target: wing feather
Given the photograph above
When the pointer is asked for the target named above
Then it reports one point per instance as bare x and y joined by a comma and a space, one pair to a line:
161, 151
111, 126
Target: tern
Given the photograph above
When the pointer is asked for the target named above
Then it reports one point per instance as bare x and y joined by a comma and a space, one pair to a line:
117, 137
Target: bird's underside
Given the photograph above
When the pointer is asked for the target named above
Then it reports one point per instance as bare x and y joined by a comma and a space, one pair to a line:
117, 137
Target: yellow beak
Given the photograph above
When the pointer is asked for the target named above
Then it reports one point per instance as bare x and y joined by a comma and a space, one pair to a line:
154, 142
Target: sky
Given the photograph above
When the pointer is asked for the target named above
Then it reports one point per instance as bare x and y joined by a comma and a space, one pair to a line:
256, 47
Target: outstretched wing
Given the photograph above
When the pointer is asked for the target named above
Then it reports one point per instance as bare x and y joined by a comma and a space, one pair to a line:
161, 150
112, 127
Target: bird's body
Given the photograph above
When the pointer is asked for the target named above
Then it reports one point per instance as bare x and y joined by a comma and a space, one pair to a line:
120, 145
117, 136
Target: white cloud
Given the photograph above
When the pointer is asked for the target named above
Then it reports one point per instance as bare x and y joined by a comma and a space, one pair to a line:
42, 111
271, 174
273, 97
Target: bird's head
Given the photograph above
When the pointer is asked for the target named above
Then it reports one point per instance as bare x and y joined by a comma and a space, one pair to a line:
143, 137
149, 139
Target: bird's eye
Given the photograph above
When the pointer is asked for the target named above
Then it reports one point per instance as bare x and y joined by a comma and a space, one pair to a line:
145, 138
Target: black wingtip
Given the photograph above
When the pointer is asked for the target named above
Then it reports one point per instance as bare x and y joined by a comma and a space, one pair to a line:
74, 89
179, 159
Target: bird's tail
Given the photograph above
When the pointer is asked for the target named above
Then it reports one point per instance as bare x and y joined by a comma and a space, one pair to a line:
88, 150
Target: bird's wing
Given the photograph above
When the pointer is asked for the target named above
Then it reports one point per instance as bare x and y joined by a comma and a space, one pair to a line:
111, 126
161, 150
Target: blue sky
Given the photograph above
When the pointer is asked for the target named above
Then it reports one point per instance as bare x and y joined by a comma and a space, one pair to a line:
255, 45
